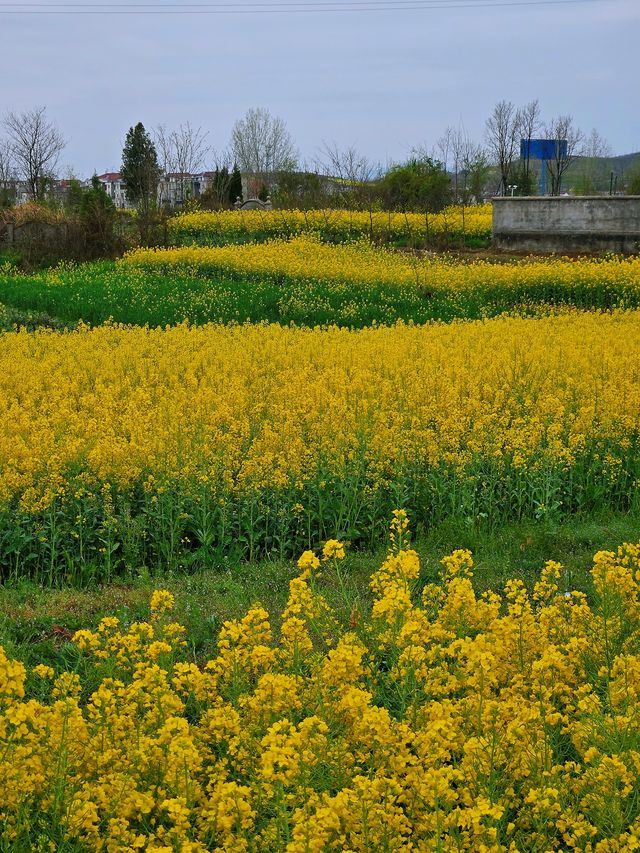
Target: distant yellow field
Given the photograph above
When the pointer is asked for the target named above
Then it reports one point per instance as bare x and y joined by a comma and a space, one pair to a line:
228, 225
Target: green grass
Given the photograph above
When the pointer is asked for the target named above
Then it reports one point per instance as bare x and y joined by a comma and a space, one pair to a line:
96, 293
189, 526
36, 624
99, 292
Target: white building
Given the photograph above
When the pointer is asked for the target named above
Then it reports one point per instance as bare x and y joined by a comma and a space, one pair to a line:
114, 187
176, 188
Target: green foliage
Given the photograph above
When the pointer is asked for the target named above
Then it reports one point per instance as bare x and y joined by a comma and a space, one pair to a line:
634, 182
235, 185
300, 190
73, 198
97, 215
223, 192
475, 174
216, 195
96, 292
141, 175
418, 184
588, 176
7, 198
525, 181
140, 169
187, 526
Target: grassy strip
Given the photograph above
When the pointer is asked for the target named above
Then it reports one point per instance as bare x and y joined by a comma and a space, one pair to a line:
36, 623
96, 293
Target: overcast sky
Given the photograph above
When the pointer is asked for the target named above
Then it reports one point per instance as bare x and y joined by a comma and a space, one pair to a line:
383, 81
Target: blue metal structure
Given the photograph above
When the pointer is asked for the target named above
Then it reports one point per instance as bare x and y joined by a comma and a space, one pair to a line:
543, 150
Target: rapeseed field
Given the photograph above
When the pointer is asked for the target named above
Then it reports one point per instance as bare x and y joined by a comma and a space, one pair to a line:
437, 720
304, 281
123, 444
454, 224
190, 420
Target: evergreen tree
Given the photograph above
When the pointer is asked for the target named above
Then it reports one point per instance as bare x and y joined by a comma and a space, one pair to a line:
235, 185
221, 184
140, 169
95, 213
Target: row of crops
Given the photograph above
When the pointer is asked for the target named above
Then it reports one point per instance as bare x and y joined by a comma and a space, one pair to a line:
307, 282
125, 446
454, 225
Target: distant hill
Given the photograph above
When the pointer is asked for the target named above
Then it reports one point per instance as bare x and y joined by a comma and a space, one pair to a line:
587, 175
600, 174
595, 175
625, 161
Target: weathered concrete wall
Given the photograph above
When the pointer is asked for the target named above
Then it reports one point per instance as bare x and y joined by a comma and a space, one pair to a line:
28, 232
567, 224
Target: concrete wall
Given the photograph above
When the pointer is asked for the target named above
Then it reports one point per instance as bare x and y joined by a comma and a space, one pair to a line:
567, 224
28, 232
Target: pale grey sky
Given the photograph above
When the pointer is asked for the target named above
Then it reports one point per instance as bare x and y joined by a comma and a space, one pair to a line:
383, 81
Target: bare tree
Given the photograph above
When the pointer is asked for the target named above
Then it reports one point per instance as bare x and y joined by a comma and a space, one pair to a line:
593, 167
7, 168
502, 135
451, 146
354, 171
460, 142
7, 165
529, 123
8, 186
346, 164
596, 145
181, 152
262, 145
475, 168
468, 163
36, 144
443, 148
568, 139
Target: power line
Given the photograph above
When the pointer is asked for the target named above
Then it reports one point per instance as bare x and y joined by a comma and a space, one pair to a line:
274, 7
304, 4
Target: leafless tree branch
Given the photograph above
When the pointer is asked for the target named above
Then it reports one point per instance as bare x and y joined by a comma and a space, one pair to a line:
36, 145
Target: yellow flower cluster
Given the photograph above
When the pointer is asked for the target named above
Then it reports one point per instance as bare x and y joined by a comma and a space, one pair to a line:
244, 409
305, 258
232, 225
442, 721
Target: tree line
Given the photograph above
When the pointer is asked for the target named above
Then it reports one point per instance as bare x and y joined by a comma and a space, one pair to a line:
261, 149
